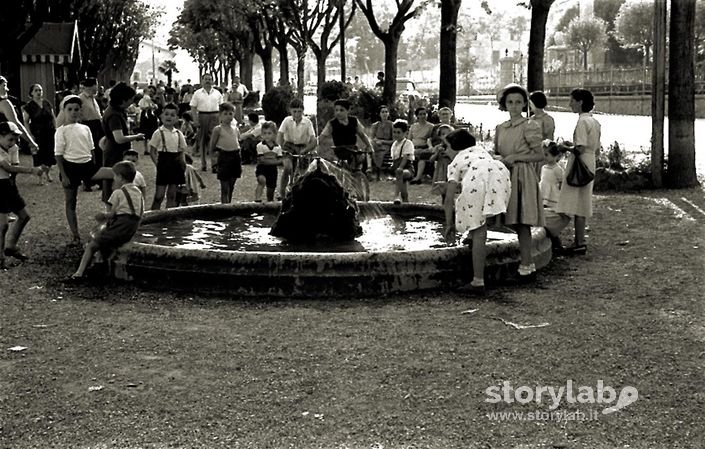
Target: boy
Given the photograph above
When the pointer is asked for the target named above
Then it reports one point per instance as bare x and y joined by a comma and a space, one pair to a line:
250, 138
225, 142
166, 149
269, 155
10, 199
133, 156
402, 159
73, 149
295, 136
121, 222
191, 190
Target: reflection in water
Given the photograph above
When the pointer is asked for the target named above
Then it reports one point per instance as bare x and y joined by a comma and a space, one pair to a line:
381, 232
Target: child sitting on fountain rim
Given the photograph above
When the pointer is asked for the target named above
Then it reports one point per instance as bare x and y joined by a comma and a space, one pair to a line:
402, 152
121, 222
269, 156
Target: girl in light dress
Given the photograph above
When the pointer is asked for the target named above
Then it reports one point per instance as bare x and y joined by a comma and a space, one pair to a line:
483, 188
518, 145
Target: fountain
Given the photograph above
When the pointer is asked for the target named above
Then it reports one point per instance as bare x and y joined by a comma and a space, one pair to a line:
230, 249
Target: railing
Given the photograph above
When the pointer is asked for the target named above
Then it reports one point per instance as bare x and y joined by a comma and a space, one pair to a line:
612, 81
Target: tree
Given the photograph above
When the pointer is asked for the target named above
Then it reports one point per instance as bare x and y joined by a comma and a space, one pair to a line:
700, 31
569, 14
537, 40
331, 11
584, 34
681, 97
448, 88
634, 26
368, 53
168, 68
390, 38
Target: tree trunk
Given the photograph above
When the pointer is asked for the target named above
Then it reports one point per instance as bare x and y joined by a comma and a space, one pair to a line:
283, 64
448, 87
391, 49
658, 93
246, 68
300, 66
585, 59
537, 38
321, 58
266, 57
681, 97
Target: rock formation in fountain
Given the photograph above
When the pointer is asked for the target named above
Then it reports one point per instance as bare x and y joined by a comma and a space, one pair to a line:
317, 208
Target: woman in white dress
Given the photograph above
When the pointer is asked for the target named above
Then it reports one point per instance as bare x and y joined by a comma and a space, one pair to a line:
577, 201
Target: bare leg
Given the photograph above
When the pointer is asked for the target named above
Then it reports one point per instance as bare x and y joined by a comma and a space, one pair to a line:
524, 234
159, 193
286, 174
479, 253
91, 249
224, 187
260, 188
171, 196
270, 193
420, 171
231, 190
17, 228
70, 200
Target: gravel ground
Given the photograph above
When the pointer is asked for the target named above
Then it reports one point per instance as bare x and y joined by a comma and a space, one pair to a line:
112, 365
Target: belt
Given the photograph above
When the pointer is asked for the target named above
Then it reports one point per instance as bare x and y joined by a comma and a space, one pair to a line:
207, 112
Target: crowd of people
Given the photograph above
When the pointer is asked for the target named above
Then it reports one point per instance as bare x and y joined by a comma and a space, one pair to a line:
520, 183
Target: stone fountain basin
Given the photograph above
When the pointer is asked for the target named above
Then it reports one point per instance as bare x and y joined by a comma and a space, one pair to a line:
312, 274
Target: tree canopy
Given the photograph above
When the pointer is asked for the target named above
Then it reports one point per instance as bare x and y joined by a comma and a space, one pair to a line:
585, 34
634, 25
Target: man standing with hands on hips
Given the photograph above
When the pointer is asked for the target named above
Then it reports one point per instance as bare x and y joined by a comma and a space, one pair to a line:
204, 109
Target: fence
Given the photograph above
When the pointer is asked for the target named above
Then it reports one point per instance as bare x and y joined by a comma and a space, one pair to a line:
611, 81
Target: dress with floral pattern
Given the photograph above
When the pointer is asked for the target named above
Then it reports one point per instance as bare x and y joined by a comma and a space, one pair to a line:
486, 188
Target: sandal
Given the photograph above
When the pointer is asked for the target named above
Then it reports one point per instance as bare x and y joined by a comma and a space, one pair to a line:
577, 250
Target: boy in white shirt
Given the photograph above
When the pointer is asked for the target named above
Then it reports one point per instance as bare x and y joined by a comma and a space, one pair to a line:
402, 151
121, 222
269, 156
73, 149
133, 156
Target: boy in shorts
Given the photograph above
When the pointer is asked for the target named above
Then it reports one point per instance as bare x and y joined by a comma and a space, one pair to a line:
73, 149
269, 156
10, 199
121, 222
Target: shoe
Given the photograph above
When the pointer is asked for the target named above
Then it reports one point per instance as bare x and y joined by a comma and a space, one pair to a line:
579, 250
397, 200
49, 178
214, 169
258, 201
3, 266
74, 280
16, 253
415, 181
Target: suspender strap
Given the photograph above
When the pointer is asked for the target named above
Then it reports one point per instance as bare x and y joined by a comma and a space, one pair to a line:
129, 202
178, 141
161, 132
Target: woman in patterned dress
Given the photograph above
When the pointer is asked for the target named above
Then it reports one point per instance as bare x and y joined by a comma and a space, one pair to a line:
485, 188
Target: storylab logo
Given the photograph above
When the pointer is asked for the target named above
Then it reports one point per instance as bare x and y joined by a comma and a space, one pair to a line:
603, 395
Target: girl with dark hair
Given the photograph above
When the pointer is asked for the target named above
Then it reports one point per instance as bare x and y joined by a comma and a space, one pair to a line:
577, 201
518, 144
117, 138
483, 187
537, 103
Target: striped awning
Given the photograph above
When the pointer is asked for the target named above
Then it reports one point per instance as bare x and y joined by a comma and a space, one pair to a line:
54, 43
55, 59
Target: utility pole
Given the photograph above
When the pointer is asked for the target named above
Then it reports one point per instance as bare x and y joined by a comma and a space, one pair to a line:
658, 93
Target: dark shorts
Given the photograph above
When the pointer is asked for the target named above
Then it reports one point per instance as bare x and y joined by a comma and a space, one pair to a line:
270, 174
409, 166
117, 231
170, 169
355, 159
229, 165
10, 199
78, 173
423, 153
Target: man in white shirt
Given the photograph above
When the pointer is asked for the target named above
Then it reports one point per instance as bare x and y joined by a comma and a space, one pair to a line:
204, 109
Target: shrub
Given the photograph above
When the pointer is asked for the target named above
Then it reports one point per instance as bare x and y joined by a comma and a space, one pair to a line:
366, 103
334, 90
275, 103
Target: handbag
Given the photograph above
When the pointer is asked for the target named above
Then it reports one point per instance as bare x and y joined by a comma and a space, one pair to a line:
579, 174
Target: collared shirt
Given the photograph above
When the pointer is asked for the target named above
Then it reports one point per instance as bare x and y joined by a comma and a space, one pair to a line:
401, 149
297, 133
264, 149
90, 109
120, 205
518, 136
139, 180
173, 142
206, 102
587, 133
74, 142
